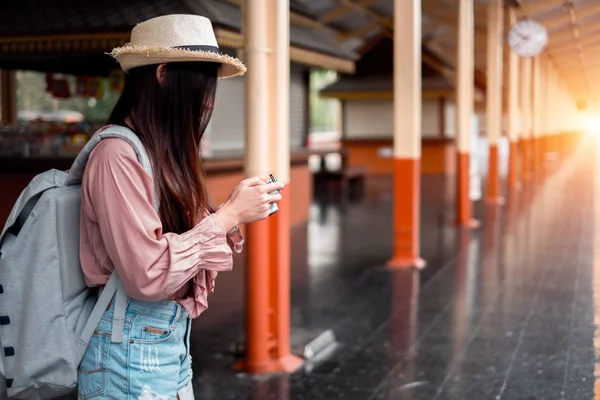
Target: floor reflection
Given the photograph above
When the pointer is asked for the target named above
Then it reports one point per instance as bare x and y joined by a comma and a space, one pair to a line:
508, 311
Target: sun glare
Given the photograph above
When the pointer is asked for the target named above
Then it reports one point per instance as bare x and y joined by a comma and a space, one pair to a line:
592, 124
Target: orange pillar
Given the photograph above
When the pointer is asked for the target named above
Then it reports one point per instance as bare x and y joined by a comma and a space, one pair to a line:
407, 133
257, 299
266, 49
280, 260
494, 95
258, 147
526, 118
513, 112
465, 96
525, 170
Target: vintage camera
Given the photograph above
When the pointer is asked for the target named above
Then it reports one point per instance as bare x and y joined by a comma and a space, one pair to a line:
274, 207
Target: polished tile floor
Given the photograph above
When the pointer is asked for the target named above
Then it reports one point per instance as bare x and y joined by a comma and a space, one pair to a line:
507, 311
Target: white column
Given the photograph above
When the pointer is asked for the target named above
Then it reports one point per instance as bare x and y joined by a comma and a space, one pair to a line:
407, 133
258, 145
526, 116
465, 89
280, 106
513, 125
407, 79
494, 71
464, 111
258, 150
536, 105
512, 117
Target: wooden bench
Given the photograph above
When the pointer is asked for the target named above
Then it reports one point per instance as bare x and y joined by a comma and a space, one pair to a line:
345, 181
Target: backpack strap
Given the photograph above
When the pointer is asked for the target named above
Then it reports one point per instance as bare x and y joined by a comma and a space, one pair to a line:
118, 322
111, 131
104, 299
113, 287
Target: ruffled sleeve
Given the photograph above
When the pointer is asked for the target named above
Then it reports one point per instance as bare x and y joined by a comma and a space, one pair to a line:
151, 265
235, 239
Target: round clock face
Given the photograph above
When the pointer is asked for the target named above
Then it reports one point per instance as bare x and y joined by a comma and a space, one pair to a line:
527, 38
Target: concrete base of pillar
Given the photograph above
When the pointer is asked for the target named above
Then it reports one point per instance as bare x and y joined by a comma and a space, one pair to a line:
406, 262
286, 364
469, 224
495, 201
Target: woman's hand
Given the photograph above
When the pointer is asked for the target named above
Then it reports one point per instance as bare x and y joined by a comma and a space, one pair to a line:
249, 201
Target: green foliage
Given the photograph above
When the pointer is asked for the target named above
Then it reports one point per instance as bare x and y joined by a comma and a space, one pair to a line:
324, 113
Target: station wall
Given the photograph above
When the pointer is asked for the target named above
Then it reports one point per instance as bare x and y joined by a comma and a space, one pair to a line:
368, 135
375, 119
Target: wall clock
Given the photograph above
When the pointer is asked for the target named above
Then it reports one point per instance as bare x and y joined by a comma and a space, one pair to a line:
527, 38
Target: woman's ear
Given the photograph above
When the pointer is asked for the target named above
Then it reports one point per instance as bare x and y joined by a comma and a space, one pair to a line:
161, 71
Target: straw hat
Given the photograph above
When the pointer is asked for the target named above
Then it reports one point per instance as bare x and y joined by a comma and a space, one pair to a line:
175, 38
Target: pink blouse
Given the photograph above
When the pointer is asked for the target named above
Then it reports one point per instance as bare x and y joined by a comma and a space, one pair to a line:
120, 229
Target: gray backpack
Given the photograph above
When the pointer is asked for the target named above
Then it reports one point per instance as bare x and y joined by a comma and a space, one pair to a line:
47, 313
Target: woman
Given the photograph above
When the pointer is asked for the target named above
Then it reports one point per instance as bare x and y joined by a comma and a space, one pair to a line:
167, 261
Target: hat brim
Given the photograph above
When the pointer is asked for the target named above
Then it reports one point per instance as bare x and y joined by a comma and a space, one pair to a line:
131, 56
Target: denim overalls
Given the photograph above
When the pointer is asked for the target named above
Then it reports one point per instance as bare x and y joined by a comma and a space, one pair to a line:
152, 363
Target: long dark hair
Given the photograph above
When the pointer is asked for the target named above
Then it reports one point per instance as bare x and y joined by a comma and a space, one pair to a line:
170, 118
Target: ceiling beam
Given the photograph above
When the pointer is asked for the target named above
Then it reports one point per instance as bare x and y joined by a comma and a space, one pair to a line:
450, 19
534, 7
343, 10
560, 36
385, 21
449, 57
571, 46
566, 59
551, 23
306, 22
300, 20
299, 55
445, 66
365, 30
568, 35
437, 65
431, 27
588, 11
